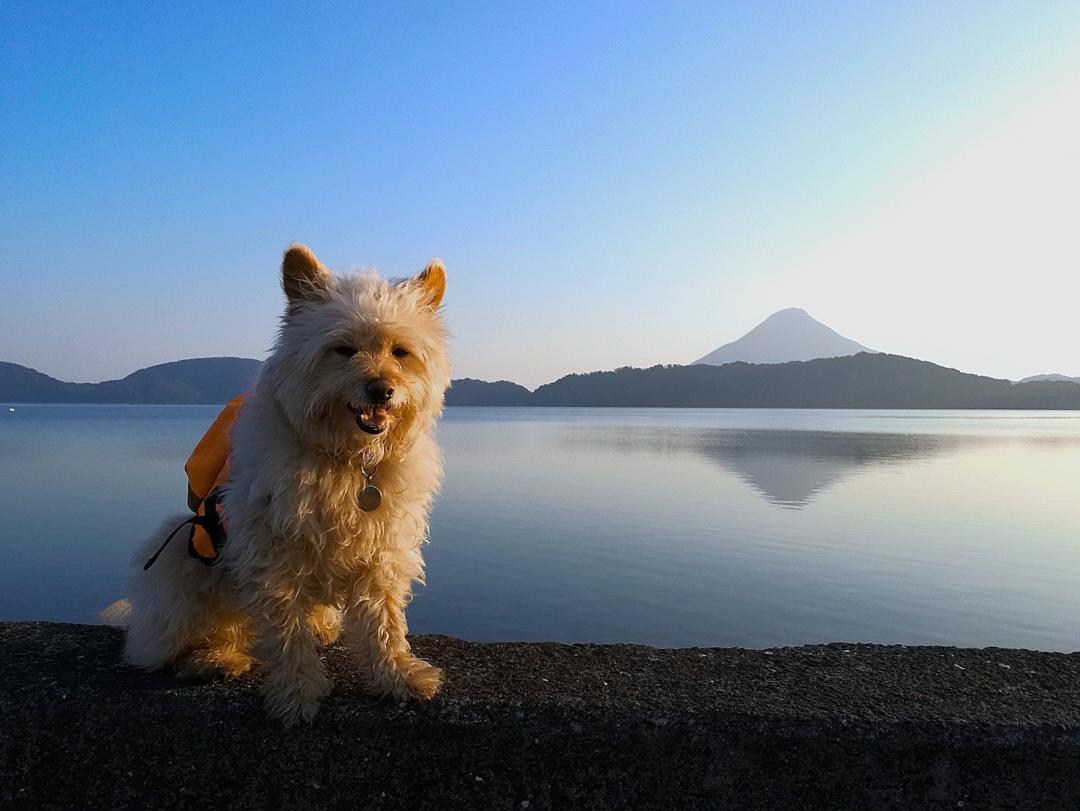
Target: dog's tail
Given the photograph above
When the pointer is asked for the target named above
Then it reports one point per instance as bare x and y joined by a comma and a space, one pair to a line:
117, 614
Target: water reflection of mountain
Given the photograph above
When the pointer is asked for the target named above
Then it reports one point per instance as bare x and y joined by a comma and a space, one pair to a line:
788, 468
791, 468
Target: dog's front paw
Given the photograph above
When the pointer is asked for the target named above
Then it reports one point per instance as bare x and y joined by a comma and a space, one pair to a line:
424, 679
408, 677
293, 701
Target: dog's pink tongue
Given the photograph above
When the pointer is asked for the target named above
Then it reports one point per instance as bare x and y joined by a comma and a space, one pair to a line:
378, 416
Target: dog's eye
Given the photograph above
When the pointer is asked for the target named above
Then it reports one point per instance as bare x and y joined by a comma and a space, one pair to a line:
347, 351
399, 352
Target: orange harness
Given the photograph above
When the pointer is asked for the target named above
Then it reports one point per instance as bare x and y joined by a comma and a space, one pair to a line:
207, 470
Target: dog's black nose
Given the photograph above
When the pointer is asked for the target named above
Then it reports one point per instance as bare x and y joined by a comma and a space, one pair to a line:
379, 390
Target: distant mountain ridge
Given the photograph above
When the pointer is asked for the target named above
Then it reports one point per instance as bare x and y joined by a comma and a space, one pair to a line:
787, 335
470, 392
1050, 378
201, 381
866, 380
181, 382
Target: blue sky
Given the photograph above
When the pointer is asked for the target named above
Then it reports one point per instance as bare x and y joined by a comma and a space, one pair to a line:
608, 184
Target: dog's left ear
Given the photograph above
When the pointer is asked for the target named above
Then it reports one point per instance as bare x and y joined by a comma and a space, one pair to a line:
431, 283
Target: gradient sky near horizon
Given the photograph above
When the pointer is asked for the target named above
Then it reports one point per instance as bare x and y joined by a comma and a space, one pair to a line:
609, 184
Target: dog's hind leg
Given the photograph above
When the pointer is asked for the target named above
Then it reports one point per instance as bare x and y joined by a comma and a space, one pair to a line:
221, 645
169, 602
375, 632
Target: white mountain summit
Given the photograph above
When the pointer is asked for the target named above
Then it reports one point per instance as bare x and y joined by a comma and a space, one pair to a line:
784, 336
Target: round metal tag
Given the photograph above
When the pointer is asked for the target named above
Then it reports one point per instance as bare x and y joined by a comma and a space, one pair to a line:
370, 498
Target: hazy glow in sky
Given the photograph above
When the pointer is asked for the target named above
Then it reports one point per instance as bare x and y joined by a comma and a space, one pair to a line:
976, 258
612, 185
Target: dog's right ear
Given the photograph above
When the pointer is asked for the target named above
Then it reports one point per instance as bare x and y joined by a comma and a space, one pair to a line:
303, 277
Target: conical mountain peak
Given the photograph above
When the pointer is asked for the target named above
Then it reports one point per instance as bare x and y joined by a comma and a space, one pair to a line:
786, 335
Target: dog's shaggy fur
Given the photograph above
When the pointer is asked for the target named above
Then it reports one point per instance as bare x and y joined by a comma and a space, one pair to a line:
303, 561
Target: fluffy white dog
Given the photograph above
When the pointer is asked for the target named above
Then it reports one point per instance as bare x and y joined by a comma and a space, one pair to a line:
342, 411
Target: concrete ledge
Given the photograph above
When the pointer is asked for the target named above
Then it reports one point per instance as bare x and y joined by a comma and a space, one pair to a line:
553, 726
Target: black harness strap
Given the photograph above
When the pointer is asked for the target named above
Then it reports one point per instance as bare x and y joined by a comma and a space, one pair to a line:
154, 557
211, 523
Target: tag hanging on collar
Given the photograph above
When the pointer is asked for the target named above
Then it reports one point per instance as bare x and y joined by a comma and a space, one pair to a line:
370, 497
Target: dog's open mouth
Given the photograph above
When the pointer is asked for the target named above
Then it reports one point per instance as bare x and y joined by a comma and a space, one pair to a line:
371, 419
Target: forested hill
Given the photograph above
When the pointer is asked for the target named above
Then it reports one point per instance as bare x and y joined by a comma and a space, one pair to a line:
866, 380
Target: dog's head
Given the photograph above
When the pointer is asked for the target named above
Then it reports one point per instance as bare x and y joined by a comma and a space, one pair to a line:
360, 363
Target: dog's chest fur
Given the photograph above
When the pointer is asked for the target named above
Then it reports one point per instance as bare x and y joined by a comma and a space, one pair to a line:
327, 515
297, 511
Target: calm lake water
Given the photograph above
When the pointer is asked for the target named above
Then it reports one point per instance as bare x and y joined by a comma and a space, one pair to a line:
670, 527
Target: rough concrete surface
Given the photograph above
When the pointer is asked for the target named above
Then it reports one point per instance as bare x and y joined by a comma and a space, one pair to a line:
539, 725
